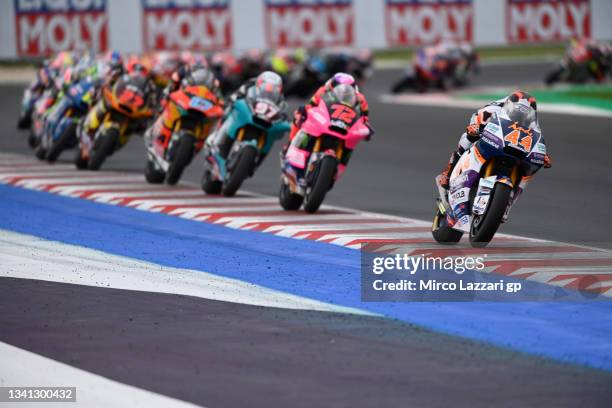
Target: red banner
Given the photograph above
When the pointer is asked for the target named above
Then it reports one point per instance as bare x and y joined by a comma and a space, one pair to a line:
186, 24
309, 23
46, 26
418, 22
552, 20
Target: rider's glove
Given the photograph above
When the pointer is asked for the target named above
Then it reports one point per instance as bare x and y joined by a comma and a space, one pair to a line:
547, 162
473, 131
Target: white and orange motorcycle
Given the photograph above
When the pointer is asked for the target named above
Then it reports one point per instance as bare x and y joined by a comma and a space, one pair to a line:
487, 180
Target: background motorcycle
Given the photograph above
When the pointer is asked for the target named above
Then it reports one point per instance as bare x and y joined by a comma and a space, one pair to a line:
62, 121
486, 181
126, 106
578, 65
41, 108
312, 162
432, 68
198, 110
251, 128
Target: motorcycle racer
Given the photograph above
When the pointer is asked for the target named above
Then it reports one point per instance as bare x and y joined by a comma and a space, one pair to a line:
269, 85
518, 103
163, 127
345, 88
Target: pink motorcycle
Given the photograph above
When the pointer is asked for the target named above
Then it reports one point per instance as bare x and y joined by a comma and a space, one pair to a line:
319, 153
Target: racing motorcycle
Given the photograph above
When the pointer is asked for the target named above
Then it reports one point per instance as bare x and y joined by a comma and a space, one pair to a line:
579, 64
249, 132
317, 155
193, 112
434, 68
125, 106
41, 108
61, 123
486, 182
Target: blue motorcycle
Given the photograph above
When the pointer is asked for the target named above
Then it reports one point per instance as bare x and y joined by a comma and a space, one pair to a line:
60, 131
240, 144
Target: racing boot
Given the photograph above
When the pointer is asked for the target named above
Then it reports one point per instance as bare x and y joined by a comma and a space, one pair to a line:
443, 178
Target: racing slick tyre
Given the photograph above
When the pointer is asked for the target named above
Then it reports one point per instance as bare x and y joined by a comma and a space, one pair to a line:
102, 148
440, 230
322, 182
209, 185
242, 170
40, 152
152, 175
32, 140
79, 161
182, 157
288, 200
24, 122
485, 226
58, 146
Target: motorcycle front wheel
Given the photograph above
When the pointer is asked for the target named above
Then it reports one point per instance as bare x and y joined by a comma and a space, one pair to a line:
242, 170
320, 186
58, 146
103, 147
485, 226
182, 157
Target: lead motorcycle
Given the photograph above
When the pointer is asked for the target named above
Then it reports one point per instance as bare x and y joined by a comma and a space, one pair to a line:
487, 180
314, 159
251, 128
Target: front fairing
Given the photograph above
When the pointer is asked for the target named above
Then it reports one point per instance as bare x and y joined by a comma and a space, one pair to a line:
242, 115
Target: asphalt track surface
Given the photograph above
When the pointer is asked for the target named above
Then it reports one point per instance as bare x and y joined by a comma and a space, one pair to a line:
393, 174
223, 354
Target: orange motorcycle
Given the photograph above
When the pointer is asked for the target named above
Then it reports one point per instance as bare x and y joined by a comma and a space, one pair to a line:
121, 111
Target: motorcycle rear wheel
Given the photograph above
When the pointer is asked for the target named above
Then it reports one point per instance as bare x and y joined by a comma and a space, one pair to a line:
288, 200
441, 232
485, 226
322, 182
209, 185
153, 175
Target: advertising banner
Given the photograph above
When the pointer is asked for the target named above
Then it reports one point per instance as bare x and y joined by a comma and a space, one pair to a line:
187, 24
309, 23
418, 22
44, 27
547, 20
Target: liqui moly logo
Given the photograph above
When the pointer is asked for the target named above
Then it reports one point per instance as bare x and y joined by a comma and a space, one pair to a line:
416, 22
187, 24
309, 23
547, 20
47, 26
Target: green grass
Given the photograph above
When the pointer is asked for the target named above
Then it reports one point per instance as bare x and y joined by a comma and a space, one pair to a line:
596, 96
524, 51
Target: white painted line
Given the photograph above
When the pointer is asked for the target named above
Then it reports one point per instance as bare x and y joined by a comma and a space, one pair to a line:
28, 257
448, 101
21, 368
